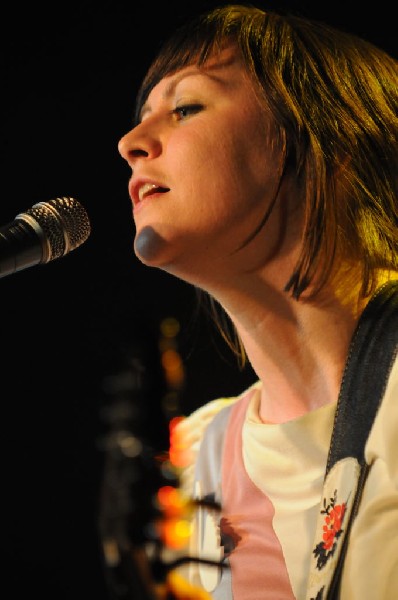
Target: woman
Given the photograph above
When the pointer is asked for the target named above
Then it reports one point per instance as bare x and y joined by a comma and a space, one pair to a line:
264, 163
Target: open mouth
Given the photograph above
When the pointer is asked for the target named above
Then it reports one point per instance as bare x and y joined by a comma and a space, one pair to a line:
149, 189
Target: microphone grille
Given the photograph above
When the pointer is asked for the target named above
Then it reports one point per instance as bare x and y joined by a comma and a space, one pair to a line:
64, 223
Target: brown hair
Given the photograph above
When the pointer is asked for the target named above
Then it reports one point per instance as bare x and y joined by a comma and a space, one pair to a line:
334, 101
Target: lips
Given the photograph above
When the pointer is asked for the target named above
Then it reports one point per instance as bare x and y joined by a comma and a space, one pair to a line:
142, 190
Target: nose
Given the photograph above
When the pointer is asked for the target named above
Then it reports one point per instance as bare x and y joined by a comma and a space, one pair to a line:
138, 143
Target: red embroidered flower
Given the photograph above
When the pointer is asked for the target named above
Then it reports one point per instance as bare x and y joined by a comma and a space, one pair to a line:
332, 530
333, 522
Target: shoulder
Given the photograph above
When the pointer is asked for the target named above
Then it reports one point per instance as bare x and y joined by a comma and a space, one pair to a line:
383, 439
372, 539
191, 430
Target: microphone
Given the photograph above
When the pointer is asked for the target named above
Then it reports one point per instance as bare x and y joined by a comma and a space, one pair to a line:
43, 233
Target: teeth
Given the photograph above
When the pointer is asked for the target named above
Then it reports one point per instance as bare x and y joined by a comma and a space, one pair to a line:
147, 187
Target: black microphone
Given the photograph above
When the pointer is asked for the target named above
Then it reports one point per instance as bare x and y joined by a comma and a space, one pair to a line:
43, 233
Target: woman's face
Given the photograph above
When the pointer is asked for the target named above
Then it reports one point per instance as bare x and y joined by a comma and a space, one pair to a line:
204, 169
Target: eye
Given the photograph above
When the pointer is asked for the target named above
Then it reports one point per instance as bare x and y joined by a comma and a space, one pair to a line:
186, 110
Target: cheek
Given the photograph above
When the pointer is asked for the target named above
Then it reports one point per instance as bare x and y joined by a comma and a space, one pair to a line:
225, 173
259, 163
202, 167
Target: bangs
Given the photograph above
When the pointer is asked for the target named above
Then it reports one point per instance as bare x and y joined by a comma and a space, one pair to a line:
192, 44
199, 39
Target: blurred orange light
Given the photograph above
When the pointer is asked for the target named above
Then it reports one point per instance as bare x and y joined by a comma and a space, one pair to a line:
175, 533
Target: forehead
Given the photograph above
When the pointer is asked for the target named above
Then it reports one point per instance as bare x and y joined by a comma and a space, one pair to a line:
224, 68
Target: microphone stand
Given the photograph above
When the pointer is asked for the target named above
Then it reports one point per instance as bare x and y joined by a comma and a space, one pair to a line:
135, 567
129, 481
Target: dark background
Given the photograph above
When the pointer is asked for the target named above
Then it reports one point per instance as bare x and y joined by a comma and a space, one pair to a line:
69, 72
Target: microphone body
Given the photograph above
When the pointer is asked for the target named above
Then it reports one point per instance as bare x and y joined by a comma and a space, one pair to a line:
43, 233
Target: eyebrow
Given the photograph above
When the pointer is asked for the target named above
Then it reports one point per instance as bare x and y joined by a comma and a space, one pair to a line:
169, 89
192, 71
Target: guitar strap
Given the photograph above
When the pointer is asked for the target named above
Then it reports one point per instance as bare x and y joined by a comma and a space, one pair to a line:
372, 352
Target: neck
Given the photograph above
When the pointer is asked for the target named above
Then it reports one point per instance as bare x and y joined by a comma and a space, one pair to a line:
297, 349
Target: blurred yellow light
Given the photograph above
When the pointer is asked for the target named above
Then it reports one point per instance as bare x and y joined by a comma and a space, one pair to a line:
169, 327
181, 588
176, 533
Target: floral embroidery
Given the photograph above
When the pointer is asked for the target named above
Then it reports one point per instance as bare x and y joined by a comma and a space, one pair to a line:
332, 530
